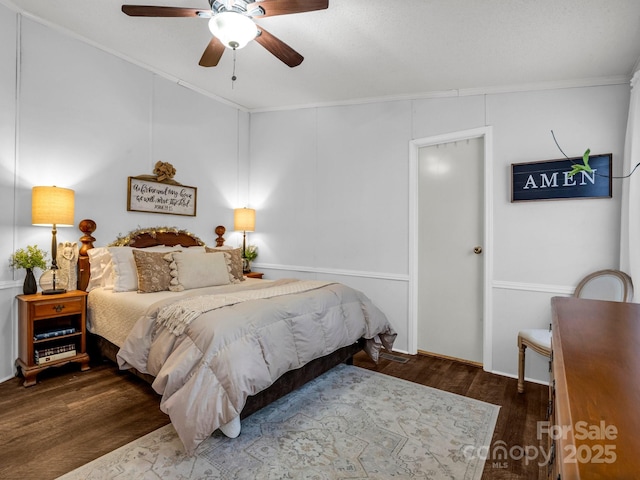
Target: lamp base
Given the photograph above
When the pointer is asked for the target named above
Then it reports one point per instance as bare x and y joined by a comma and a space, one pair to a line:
53, 281
54, 291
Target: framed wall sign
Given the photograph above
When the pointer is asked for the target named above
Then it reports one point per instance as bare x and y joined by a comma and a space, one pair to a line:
156, 197
550, 179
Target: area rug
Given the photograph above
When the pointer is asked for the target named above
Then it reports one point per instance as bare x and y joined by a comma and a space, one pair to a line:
350, 423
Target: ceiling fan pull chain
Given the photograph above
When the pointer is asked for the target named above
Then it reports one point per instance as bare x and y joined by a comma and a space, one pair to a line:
233, 75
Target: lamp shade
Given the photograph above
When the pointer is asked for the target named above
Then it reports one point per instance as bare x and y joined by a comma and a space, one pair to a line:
52, 206
233, 29
244, 219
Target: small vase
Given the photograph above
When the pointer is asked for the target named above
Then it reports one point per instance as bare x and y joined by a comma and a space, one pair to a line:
30, 286
246, 265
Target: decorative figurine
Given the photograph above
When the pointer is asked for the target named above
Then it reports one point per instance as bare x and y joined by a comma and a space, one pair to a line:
68, 263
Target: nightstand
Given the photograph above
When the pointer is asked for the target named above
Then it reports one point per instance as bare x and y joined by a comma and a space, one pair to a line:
254, 274
51, 332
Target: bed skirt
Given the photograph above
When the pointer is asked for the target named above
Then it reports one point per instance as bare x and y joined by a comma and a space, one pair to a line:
99, 347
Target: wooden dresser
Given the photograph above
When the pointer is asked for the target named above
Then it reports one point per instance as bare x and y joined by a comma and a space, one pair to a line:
595, 390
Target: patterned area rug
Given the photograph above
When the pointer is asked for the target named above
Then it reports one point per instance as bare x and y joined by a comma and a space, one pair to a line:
350, 423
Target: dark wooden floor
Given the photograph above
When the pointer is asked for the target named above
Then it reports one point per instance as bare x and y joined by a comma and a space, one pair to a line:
70, 418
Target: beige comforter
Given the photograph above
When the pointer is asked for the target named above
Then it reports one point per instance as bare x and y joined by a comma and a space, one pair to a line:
224, 350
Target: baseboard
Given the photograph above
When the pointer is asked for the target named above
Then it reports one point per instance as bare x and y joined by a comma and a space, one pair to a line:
526, 379
446, 357
6, 378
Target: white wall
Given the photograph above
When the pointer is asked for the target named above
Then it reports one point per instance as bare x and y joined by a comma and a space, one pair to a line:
542, 245
8, 287
331, 188
87, 120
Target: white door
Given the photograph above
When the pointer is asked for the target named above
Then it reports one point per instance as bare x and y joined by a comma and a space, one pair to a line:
450, 243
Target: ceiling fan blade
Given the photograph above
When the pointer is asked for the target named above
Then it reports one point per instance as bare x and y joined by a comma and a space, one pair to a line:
212, 53
284, 7
152, 11
278, 48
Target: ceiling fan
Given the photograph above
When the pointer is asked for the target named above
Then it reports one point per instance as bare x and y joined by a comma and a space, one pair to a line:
232, 25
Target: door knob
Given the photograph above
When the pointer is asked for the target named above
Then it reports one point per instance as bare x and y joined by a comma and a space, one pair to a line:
477, 250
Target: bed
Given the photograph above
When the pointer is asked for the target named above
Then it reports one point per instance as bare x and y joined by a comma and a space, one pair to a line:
216, 346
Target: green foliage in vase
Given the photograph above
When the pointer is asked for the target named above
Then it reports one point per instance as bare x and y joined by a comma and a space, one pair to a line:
31, 257
251, 253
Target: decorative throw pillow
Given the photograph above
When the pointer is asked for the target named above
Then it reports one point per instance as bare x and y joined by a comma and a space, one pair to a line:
236, 261
194, 249
124, 266
154, 273
192, 270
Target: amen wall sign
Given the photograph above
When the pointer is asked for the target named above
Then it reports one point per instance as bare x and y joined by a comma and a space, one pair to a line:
551, 179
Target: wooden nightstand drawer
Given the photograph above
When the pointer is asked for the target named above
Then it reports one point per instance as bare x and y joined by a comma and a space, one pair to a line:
53, 307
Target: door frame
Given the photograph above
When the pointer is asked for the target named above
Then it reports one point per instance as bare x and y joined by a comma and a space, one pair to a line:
486, 134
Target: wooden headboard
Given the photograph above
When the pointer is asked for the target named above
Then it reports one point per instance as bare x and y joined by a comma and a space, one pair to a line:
141, 238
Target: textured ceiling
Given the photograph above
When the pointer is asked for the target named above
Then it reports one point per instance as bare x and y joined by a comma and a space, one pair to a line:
358, 50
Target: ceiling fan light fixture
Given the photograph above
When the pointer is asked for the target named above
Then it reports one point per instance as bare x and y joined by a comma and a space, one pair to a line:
233, 29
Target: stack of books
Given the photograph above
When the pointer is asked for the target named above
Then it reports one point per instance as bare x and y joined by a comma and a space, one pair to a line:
47, 355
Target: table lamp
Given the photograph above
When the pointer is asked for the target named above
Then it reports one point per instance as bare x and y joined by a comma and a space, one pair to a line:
244, 220
52, 206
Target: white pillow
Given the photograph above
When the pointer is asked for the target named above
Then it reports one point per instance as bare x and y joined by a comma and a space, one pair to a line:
124, 266
101, 268
199, 270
